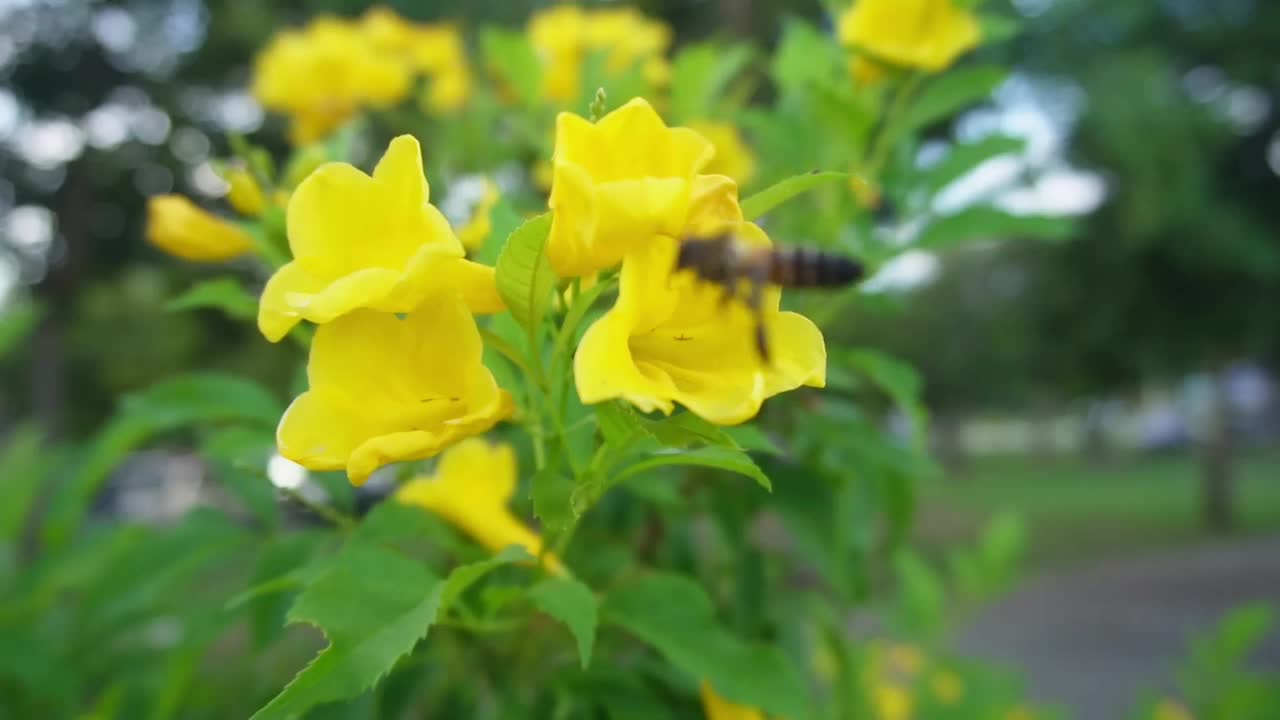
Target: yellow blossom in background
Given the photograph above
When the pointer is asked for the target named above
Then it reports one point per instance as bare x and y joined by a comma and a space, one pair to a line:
733, 157
905, 659
369, 242
325, 73
618, 183
179, 227
473, 483
244, 193
947, 687
387, 388
565, 35
477, 229
865, 72
893, 703
1170, 709
436, 50
671, 339
715, 707
924, 34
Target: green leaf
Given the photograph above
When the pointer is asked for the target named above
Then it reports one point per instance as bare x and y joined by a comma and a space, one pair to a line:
464, 576
524, 275
17, 322
25, 465
183, 401
619, 424
700, 74
752, 438
686, 430
510, 54
951, 92
961, 159
675, 616
984, 222
922, 599
552, 493
998, 28
374, 605
504, 220
573, 604
783, 190
896, 379
224, 293
720, 458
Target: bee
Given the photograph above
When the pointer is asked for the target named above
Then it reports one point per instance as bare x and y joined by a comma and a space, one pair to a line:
724, 260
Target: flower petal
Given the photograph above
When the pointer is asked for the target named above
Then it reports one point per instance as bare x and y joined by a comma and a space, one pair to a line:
276, 316
401, 175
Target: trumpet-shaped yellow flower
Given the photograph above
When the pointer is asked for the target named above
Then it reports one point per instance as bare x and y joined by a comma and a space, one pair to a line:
368, 242
618, 183
715, 707
470, 489
733, 157
477, 229
925, 34
177, 226
671, 338
244, 193
434, 50
325, 73
387, 388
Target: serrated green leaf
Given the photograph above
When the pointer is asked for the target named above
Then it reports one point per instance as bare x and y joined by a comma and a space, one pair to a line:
511, 56
225, 293
720, 458
984, 222
618, 422
374, 605
961, 159
951, 92
524, 275
573, 604
783, 190
675, 616
552, 493
686, 429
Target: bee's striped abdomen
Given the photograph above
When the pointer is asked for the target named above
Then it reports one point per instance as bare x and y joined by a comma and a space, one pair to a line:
801, 267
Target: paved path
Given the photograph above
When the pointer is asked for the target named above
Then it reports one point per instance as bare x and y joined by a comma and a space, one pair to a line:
1091, 639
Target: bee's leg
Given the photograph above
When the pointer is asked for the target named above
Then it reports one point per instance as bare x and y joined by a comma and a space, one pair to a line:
758, 277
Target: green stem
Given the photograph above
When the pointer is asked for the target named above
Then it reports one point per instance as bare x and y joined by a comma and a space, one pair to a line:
891, 128
343, 522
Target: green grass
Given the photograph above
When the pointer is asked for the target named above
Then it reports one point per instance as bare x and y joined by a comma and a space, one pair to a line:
1077, 510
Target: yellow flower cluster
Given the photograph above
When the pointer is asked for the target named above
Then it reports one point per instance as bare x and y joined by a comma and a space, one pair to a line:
395, 370
924, 34
323, 74
181, 228
564, 37
625, 191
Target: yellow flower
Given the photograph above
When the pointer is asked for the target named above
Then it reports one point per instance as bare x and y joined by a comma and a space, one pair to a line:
733, 157
671, 338
177, 226
893, 703
564, 35
947, 687
470, 489
478, 228
905, 659
715, 707
925, 34
368, 242
325, 73
386, 388
435, 50
244, 193
1170, 709
618, 183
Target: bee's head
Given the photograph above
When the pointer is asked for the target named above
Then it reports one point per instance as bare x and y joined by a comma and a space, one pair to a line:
845, 271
